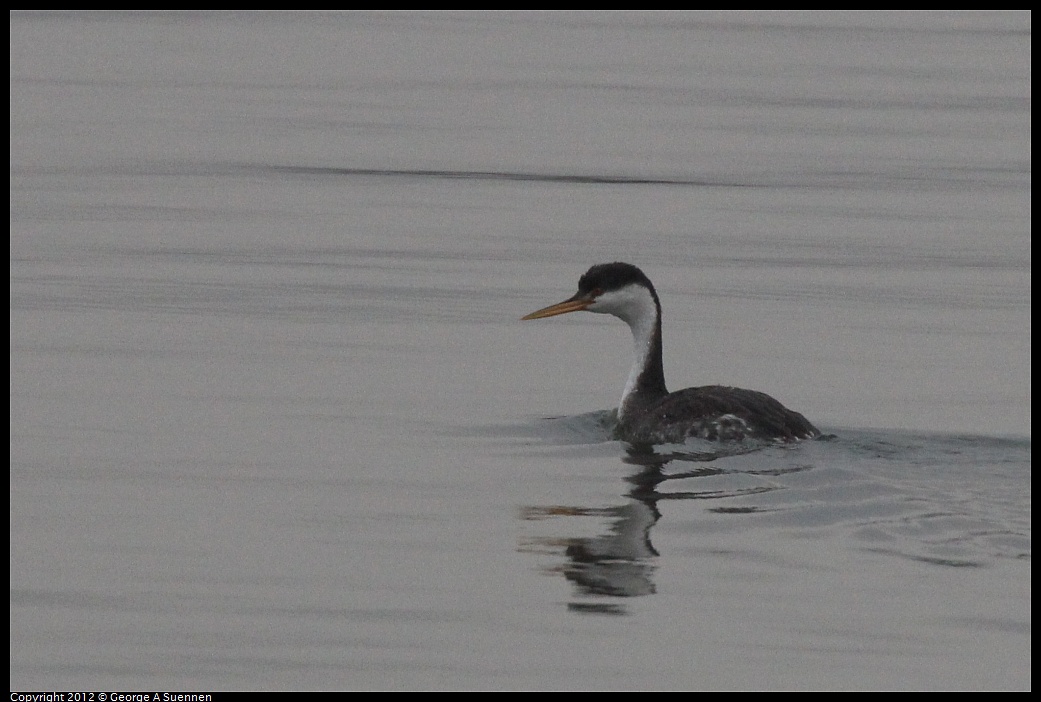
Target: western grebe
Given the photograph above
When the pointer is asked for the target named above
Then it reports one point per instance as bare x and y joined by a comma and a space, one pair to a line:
648, 413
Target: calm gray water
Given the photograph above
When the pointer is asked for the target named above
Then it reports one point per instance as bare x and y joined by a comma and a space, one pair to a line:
275, 422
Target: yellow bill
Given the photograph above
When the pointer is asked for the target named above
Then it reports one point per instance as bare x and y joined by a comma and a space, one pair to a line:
573, 304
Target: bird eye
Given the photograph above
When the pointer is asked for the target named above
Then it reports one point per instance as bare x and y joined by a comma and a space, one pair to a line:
597, 292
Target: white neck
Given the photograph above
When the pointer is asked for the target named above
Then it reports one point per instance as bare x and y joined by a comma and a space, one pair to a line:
643, 334
634, 305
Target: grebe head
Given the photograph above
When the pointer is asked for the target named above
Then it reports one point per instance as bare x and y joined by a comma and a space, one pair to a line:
620, 289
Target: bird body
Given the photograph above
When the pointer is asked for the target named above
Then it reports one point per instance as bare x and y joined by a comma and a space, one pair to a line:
648, 412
